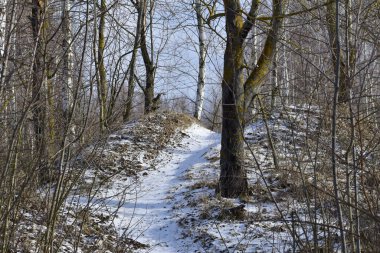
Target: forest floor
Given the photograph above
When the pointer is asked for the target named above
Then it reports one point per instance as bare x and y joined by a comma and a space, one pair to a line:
150, 187
158, 205
171, 205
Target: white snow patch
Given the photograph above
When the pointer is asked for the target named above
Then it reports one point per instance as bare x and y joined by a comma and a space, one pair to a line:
147, 212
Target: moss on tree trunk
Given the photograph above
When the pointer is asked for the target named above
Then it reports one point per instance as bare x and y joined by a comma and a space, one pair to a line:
233, 177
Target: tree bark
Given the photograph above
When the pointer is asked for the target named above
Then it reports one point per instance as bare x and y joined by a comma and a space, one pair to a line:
102, 75
337, 90
150, 67
67, 85
202, 61
337, 55
7, 19
131, 80
149, 90
275, 92
233, 177
38, 110
3, 25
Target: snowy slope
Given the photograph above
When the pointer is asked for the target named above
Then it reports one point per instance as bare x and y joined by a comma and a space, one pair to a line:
151, 188
169, 204
143, 203
154, 222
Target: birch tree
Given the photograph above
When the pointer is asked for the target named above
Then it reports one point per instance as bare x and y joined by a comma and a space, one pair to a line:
67, 85
3, 18
202, 61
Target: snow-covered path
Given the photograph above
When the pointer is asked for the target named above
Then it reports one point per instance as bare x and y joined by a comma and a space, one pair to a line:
153, 221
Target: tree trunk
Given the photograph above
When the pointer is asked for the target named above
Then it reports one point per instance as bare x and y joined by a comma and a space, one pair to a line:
6, 34
150, 67
337, 56
233, 178
3, 25
102, 75
131, 79
275, 92
67, 85
285, 91
337, 73
149, 90
202, 62
38, 110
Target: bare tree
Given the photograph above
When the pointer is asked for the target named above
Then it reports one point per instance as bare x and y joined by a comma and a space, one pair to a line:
233, 178
202, 61
139, 5
148, 56
101, 75
39, 26
337, 73
67, 85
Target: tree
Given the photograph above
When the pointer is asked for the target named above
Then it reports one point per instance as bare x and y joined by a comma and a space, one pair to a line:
235, 90
67, 85
7, 23
3, 19
337, 89
337, 56
101, 70
39, 24
202, 61
148, 57
139, 5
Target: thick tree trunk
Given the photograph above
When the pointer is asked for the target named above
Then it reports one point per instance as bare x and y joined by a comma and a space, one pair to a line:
233, 178
202, 61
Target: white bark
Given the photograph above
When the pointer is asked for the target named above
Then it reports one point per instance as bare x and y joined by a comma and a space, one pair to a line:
67, 85
7, 23
3, 56
202, 61
3, 18
285, 90
275, 87
286, 86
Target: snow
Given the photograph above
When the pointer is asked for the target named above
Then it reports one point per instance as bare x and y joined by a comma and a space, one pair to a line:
147, 214
172, 206
158, 195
